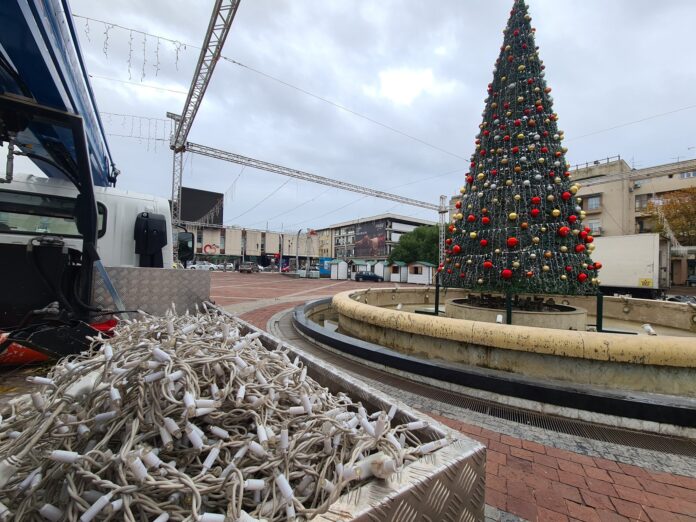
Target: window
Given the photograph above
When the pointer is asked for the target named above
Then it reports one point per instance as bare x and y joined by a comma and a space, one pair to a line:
595, 226
594, 202
415, 270
642, 201
687, 175
32, 214
222, 241
395, 269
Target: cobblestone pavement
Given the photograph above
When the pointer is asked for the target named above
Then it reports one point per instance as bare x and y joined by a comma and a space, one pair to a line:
531, 474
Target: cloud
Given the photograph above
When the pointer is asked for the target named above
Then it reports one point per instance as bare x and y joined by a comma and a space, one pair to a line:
403, 86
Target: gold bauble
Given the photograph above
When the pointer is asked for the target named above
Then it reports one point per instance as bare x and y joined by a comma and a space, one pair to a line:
584, 265
542, 160
548, 254
564, 277
579, 200
457, 265
448, 260
531, 147
469, 261
480, 176
495, 200
583, 215
535, 240
543, 229
508, 182
503, 78
520, 99
462, 190
504, 161
499, 150
521, 68
494, 105
496, 251
508, 113
546, 268
470, 206
564, 249
596, 281
520, 136
591, 247
555, 212
532, 256
537, 89
480, 281
515, 264
575, 231
517, 197
550, 197
518, 169
473, 235
508, 47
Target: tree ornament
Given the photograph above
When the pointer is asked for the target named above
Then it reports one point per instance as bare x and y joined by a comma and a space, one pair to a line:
582, 277
485, 220
534, 212
448, 241
579, 248
487, 265
471, 218
563, 231
506, 274
456, 249
515, 264
483, 242
597, 265
546, 268
512, 242
564, 249
535, 240
564, 277
458, 204
536, 200
512, 216
566, 195
473, 235
555, 212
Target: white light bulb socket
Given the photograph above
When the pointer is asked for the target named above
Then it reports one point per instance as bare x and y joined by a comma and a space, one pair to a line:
51, 512
65, 457
254, 484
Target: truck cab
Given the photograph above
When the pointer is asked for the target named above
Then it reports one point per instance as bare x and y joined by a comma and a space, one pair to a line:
33, 205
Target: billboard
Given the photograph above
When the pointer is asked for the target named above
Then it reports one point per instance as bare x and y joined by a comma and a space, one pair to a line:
197, 203
371, 239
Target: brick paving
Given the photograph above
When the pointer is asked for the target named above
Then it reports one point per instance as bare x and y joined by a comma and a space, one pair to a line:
525, 479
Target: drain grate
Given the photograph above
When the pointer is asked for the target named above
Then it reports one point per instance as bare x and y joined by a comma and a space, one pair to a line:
579, 428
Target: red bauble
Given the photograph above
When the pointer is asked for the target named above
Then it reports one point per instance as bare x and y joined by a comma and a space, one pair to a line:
484, 242
470, 179
516, 32
597, 265
458, 204
544, 149
506, 274
566, 196
518, 123
563, 231
506, 105
583, 234
540, 108
472, 164
483, 152
587, 229
449, 270
534, 212
462, 275
579, 248
530, 81
567, 174
545, 133
589, 239
582, 277
456, 249
485, 220
572, 219
527, 112
536, 200
494, 172
487, 265
569, 269
530, 274
506, 138
451, 228
512, 242
486, 132
471, 218
448, 240
515, 150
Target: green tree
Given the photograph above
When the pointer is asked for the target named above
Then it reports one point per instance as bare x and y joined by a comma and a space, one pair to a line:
677, 212
518, 224
417, 245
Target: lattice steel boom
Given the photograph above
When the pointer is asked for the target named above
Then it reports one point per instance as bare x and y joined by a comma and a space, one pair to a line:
305, 176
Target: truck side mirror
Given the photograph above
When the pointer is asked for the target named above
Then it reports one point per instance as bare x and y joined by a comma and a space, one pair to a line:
186, 252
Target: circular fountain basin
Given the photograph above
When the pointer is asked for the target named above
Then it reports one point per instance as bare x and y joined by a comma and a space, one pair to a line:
557, 316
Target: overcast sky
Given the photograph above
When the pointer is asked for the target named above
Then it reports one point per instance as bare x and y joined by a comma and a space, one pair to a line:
418, 67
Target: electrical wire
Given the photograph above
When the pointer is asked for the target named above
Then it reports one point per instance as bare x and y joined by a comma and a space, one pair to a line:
137, 84
262, 201
190, 417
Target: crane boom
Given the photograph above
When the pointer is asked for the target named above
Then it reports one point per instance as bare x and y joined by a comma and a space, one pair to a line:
305, 176
218, 29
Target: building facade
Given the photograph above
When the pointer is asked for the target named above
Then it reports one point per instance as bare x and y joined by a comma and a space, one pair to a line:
367, 238
619, 200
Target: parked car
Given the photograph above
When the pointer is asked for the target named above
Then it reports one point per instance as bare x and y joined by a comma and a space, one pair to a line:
229, 267
691, 280
248, 267
368, 276
203, 265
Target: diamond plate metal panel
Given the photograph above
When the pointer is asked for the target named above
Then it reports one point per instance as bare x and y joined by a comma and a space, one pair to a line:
446, 486
154, 289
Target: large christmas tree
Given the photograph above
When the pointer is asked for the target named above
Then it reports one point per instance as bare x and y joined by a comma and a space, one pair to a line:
517, 227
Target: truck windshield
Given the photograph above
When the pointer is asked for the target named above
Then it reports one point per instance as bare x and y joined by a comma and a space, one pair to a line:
32, 214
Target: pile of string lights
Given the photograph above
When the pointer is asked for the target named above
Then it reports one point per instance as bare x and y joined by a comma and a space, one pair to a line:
190, 418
